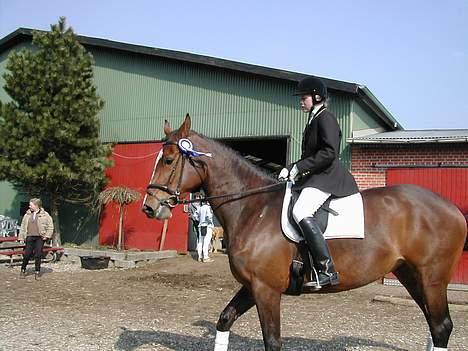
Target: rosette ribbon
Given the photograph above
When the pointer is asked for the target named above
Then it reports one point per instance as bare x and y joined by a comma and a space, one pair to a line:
186, 147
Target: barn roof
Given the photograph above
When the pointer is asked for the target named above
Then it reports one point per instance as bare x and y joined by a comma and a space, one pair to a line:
358, 90
414, 136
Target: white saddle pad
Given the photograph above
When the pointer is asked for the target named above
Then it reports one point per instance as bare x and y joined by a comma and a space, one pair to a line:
348, 224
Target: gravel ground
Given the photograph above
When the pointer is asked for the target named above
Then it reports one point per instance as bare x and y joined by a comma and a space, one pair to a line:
174, 305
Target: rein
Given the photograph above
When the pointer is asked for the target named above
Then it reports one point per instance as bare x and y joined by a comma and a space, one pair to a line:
239, 195
174, 199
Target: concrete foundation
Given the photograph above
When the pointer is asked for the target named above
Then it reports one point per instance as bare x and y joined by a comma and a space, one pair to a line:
119, 259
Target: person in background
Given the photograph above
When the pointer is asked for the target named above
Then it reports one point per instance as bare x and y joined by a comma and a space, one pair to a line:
193, 212
205, 215
36, 228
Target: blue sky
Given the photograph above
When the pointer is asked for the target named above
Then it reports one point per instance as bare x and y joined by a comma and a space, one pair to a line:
412, 55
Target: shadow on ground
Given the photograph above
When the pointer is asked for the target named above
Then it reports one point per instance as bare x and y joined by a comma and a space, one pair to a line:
130, 340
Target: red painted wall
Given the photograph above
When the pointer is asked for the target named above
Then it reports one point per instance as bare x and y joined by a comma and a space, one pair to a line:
133, 167
451, 183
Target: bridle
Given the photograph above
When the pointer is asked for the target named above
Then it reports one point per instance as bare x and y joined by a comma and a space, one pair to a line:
174, 195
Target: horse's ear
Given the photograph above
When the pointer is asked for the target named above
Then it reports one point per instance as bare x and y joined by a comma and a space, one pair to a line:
167, 128
185, 127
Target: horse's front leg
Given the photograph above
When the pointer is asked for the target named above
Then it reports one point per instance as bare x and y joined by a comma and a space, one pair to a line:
239, 304
268, 302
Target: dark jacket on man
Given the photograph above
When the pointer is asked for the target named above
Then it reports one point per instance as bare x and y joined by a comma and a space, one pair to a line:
319, 166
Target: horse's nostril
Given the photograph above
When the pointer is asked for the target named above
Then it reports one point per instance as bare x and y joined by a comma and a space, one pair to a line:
147, 209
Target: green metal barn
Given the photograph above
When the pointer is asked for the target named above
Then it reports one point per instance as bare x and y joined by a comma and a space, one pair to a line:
249, 107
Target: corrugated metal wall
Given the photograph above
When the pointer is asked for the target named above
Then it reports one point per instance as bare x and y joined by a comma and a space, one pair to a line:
141, 92
340, 105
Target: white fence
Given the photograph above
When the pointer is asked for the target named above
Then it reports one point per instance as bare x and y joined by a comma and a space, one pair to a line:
8, 226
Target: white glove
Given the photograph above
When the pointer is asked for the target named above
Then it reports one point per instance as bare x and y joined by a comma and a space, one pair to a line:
293, 173
283, 174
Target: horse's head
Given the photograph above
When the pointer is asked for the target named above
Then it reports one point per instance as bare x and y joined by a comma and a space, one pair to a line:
177, 172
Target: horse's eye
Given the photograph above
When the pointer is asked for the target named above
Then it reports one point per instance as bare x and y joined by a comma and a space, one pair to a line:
168, 161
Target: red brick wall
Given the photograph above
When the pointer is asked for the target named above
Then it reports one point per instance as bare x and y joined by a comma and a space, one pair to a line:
370, 162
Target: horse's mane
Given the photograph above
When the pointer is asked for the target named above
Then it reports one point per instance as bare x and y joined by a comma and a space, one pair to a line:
238, 161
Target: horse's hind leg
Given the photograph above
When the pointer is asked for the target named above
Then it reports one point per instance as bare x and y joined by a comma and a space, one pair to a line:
435, 295
407, 276
239, 304
430, 293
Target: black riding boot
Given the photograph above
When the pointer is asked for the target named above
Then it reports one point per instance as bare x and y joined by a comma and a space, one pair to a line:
318, 248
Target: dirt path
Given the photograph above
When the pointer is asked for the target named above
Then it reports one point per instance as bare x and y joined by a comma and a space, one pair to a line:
174, 305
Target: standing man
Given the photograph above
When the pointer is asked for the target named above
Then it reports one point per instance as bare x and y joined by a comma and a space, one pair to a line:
318, 175
37, 227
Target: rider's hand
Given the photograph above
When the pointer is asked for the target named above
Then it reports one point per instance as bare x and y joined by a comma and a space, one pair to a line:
283, 174
293, 173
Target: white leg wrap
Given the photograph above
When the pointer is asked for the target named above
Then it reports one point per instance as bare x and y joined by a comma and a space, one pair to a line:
430, 345
221, 341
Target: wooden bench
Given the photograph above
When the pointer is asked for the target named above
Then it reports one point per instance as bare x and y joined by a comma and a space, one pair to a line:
14, 250
6, 239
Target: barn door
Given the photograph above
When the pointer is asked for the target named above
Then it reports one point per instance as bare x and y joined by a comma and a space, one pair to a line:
451, 183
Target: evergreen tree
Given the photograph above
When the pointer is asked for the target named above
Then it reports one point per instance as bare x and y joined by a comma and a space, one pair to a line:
49, 131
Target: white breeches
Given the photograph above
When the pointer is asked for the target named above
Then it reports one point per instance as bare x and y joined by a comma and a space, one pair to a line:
308, 203
203, 242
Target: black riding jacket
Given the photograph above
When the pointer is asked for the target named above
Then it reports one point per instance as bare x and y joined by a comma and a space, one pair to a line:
319, 166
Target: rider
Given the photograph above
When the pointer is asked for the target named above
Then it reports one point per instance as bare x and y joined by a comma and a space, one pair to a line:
318, 175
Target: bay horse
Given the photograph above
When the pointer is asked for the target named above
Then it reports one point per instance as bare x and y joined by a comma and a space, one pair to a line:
410, 231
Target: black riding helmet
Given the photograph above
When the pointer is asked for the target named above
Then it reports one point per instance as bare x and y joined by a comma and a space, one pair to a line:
313, 86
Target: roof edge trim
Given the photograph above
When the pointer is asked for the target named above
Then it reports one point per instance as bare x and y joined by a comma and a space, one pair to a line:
376, 106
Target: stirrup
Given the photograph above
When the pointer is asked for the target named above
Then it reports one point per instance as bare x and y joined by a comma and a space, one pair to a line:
312, 284
327, 279
314, 281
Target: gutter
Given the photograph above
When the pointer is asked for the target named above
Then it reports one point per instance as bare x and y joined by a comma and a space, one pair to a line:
407, 141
